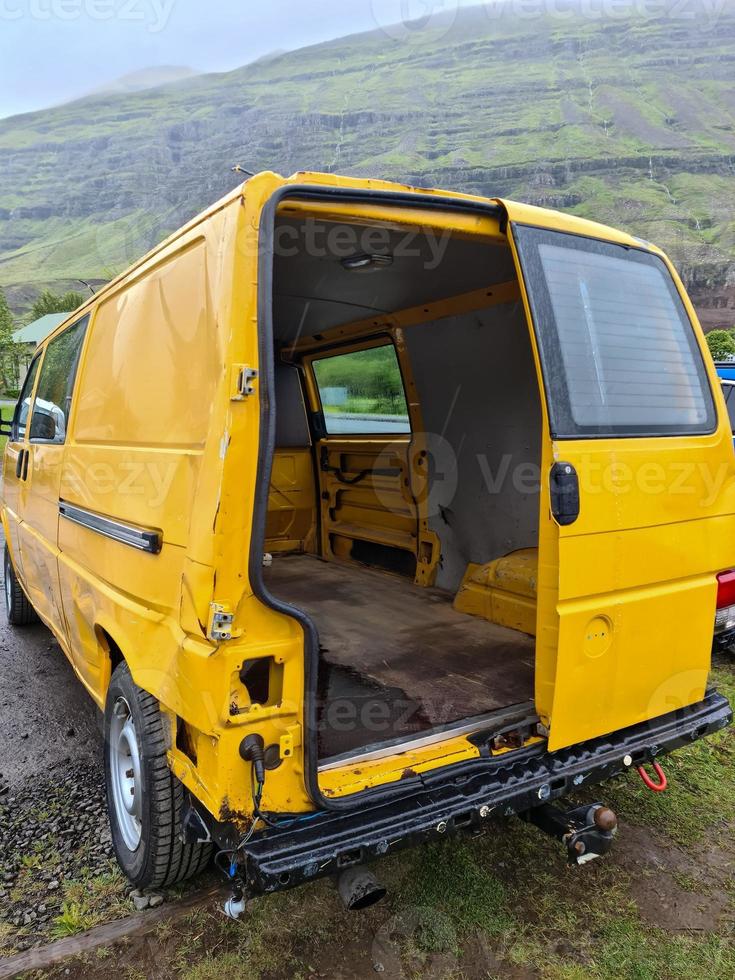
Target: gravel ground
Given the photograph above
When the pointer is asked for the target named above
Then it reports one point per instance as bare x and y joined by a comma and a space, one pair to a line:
57, 873
54, 837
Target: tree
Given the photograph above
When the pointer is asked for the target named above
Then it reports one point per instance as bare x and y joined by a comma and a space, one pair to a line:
49, 302
9, 349
721, 344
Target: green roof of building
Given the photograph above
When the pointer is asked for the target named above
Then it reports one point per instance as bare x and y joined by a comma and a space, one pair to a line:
40, 328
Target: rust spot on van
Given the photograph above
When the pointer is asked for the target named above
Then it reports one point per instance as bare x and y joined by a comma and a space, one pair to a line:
228, 815
408, 773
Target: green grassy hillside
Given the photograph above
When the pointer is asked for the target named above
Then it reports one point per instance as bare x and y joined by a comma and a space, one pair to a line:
630, 121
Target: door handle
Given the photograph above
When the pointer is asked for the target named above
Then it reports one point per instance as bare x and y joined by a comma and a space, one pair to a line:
21, 464
564, 486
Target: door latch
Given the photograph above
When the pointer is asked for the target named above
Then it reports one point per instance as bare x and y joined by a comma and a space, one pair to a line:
564, 486
244, 383
220, 623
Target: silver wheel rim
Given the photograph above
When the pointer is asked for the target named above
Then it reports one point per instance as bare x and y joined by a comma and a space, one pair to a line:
125, 774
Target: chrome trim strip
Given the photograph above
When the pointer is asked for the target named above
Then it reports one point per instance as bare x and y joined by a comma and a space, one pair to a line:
470, 726
140, 538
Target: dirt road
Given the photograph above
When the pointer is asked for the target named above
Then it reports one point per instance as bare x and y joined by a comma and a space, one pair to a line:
46, 717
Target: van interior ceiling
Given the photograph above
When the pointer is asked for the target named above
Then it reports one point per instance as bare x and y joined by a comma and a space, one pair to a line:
401, 516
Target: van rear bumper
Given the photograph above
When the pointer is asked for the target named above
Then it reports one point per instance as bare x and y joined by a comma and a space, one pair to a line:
724, 640
465, 798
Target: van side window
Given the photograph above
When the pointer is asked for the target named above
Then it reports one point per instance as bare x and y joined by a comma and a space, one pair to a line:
619, 352
362, 392
56, 384
22, 409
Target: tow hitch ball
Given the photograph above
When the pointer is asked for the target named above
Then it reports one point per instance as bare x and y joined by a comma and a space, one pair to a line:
586, 831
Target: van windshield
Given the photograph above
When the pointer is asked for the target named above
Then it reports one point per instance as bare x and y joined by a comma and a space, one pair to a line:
619, 354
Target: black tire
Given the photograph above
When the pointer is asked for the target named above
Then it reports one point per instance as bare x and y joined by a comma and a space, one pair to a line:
17, 606
160, 859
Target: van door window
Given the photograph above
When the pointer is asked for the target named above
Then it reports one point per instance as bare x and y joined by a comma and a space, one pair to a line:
56, 385
362, 392
619, 353
22, 409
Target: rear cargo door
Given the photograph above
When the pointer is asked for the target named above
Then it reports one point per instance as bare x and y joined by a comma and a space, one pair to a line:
638, 486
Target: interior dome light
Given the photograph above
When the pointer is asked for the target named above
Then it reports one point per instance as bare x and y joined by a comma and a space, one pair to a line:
366, 263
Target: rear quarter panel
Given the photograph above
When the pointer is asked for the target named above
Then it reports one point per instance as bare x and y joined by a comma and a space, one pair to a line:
144, 413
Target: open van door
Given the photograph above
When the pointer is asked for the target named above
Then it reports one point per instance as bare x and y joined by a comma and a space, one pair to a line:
637, 485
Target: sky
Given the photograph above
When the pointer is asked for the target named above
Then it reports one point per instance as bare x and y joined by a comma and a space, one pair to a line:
52, 51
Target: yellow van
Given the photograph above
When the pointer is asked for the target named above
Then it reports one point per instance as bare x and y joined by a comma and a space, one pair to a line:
367, 513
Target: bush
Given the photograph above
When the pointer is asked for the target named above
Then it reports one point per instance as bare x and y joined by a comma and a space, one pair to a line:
721, 344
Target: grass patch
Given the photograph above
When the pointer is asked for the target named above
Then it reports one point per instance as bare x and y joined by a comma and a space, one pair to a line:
533, 911
453, 893
691, 883
7, 935
222, 965
627, 950
89, 901
73, 918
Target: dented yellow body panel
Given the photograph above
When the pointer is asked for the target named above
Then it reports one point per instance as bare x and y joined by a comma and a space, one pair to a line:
161, 437
503, 591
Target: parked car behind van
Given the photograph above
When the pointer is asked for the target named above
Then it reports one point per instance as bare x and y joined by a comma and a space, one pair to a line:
726, 370
728, 390
366, 514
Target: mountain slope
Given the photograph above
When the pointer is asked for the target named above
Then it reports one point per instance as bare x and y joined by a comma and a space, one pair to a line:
630, 121
145, 78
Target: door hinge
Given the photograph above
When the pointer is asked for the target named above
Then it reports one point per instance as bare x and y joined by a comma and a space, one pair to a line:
219, 627
243, 385
290, 741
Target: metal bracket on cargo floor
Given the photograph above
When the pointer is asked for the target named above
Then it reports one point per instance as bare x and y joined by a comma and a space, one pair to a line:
243, 386
219, 627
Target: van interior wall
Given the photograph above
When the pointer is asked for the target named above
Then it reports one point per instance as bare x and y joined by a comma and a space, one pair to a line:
479, 397
292, 501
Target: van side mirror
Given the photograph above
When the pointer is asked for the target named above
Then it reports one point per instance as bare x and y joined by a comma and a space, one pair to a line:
6, 428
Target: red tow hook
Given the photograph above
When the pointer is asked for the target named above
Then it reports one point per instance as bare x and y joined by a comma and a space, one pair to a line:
662, 783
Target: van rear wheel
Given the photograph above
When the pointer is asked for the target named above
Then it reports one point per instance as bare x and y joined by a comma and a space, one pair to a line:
144, 798
19, 610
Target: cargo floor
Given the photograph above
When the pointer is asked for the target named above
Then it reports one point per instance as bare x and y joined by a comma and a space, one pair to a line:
396, 659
